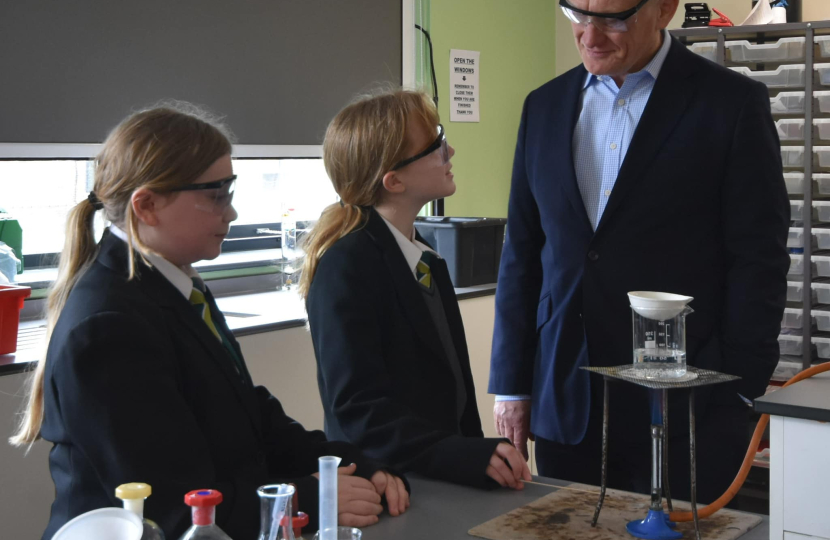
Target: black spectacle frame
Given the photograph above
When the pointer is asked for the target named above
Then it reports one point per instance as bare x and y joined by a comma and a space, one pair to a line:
621, 16
218, 184
436, 144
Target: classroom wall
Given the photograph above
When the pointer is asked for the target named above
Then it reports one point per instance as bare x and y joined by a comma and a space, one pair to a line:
516, 40
282, 360
815, 10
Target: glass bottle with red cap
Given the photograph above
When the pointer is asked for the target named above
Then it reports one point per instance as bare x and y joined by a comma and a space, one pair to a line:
204, 503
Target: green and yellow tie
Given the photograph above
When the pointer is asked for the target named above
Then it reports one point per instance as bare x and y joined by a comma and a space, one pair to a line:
199, 301
422, 271
197, 298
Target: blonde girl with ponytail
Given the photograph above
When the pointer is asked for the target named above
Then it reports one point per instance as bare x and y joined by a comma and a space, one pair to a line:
393, 368
142, 379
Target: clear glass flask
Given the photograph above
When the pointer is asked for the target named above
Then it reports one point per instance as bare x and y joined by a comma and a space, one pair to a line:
276, 521
133, 496
204, 503
659, 334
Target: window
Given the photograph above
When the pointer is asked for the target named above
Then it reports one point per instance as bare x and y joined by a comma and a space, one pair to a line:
39, 193
267, 188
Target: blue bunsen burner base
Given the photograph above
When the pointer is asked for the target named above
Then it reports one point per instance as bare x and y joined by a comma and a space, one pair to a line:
656, 526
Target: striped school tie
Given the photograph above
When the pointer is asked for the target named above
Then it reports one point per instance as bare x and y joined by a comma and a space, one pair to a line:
199, 301
197, 298
422, 272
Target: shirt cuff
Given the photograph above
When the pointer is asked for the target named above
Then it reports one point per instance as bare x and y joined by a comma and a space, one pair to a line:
518, 397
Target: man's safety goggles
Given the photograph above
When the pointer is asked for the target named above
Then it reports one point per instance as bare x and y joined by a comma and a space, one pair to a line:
604, 22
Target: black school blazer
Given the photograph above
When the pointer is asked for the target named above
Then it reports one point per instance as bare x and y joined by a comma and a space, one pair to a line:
138, 389
384, 377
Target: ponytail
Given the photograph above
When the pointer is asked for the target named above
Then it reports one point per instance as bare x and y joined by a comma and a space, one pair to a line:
336, 221
78, 253
160, 148
362, 143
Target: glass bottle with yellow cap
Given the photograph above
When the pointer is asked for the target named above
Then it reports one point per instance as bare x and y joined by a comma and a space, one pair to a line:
133, 496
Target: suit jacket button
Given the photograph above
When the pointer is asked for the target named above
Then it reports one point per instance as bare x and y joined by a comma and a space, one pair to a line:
593, 256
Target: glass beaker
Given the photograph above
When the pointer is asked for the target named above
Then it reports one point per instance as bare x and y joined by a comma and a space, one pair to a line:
344, 533
660, 340
275, 512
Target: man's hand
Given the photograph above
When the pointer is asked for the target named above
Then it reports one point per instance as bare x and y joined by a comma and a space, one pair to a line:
507, 467
512, 419
397, 498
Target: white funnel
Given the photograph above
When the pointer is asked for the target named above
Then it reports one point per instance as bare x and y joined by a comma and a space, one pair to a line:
103, 524
658, 306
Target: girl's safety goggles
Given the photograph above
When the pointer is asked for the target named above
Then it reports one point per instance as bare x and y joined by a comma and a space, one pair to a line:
440, 142
214, 197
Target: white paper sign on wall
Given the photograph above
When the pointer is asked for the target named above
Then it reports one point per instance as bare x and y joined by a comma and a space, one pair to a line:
464, 88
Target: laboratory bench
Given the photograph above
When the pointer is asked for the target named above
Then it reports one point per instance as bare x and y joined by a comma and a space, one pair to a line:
448, 511
799, 475
280, 355
247, 313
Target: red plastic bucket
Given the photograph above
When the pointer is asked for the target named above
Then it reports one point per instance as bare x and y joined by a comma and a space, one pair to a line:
11, 302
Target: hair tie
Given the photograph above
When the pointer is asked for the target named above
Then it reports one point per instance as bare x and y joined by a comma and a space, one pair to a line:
94, 201
341, 203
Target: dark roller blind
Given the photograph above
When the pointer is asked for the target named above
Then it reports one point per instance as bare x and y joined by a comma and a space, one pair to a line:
277, 70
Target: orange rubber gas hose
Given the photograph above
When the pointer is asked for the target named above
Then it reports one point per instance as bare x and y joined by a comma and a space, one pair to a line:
724, 499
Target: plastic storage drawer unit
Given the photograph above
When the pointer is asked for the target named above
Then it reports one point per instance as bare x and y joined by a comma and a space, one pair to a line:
821, 210
822, 183
794, 289
790, 129
794, 182
821, 238
823, 71
789, 76
11, 302
821, 128
792, 156
788, 103
821, 265
822, 319
822, 100
822, 157
823, 43
707, 50
784, 50
791, 345
822, 347
821, 292
786, 369
471, 246
797, 211
797, 266
795, 239
792, 318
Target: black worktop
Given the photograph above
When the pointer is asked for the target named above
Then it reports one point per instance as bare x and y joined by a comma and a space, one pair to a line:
808, 399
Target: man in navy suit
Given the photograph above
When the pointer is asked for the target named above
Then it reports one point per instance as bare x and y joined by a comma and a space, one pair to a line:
644, 168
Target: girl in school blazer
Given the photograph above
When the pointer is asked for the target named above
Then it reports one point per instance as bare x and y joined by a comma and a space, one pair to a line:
393, 368
143, 380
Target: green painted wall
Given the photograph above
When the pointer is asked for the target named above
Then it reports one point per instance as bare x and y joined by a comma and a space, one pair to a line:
517, 41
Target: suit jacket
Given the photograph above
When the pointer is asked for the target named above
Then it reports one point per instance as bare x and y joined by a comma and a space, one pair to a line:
138, 389
384, 377
699, 208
